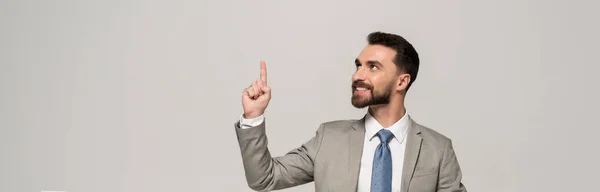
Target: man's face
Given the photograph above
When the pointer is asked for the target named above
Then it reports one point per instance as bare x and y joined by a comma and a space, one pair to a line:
375, 78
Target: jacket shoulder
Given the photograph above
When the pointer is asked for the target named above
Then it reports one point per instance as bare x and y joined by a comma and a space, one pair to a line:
346, 123
432, 136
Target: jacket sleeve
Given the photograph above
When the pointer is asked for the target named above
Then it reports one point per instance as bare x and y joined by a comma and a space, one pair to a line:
264, 172
450, 175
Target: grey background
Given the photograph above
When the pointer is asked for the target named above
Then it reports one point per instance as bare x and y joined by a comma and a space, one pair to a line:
142, 95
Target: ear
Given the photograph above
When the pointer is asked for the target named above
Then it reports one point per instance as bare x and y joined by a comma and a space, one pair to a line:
402, 82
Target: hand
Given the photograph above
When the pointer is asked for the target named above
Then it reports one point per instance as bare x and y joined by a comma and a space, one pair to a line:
255, 98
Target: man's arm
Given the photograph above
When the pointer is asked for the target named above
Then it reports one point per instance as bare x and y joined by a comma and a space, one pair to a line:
264, 172
450, 174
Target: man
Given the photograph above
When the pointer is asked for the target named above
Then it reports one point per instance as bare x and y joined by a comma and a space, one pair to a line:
383, 151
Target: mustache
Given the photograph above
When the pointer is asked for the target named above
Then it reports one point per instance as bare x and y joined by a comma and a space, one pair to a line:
361, 84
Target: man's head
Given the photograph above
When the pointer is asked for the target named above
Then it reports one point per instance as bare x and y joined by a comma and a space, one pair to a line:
385, 68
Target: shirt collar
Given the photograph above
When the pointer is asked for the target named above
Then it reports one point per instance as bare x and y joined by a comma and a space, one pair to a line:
398, 129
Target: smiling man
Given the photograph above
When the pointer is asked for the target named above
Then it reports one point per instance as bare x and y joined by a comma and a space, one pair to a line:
383, 151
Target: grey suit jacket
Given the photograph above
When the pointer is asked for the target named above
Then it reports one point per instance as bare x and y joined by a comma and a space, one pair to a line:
332, 159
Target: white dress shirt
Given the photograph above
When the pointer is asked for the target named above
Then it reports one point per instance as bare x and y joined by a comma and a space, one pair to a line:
397, 146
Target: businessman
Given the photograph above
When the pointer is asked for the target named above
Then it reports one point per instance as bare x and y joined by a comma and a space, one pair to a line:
383, 151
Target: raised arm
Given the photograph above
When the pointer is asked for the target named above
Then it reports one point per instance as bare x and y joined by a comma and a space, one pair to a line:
264, 172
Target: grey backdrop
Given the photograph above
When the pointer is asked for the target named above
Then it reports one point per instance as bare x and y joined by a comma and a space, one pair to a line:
141, 95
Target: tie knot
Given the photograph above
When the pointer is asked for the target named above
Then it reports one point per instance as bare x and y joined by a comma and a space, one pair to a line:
385, 135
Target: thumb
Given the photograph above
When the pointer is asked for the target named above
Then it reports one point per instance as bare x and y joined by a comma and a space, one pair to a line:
266, 89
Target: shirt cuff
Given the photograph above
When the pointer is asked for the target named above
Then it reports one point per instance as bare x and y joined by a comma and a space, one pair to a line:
249, 123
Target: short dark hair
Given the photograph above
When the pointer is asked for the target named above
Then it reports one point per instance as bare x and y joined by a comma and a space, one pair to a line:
407, 58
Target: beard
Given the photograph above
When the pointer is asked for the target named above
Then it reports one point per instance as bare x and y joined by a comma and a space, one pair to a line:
376, 97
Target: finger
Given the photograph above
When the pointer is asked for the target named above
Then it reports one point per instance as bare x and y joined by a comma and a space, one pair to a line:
256, 89
260, 83
266, 90
251, 92
245, 92
263, 71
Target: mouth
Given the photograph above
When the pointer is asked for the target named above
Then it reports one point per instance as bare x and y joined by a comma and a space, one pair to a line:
360, 90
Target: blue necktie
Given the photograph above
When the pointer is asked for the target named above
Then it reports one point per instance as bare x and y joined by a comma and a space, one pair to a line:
381, 178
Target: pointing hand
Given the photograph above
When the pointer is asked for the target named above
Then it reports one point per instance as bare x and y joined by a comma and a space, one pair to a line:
256, 97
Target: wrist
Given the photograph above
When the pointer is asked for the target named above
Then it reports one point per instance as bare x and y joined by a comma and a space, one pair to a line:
251, 115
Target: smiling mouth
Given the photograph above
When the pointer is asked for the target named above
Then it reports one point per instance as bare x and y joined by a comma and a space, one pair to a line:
360, 86
360, 90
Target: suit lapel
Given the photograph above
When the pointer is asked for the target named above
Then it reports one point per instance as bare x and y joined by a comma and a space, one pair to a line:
411, 155
356, 139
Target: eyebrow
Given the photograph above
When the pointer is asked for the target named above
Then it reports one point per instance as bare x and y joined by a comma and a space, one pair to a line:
370, 62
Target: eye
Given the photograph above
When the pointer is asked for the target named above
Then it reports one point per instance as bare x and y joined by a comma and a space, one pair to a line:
373, 67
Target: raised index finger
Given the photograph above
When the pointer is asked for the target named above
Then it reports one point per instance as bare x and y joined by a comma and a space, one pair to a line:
263, 71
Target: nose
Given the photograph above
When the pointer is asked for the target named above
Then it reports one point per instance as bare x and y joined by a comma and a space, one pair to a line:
359, 75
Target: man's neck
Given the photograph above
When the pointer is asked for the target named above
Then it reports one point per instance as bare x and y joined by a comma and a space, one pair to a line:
387, 114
